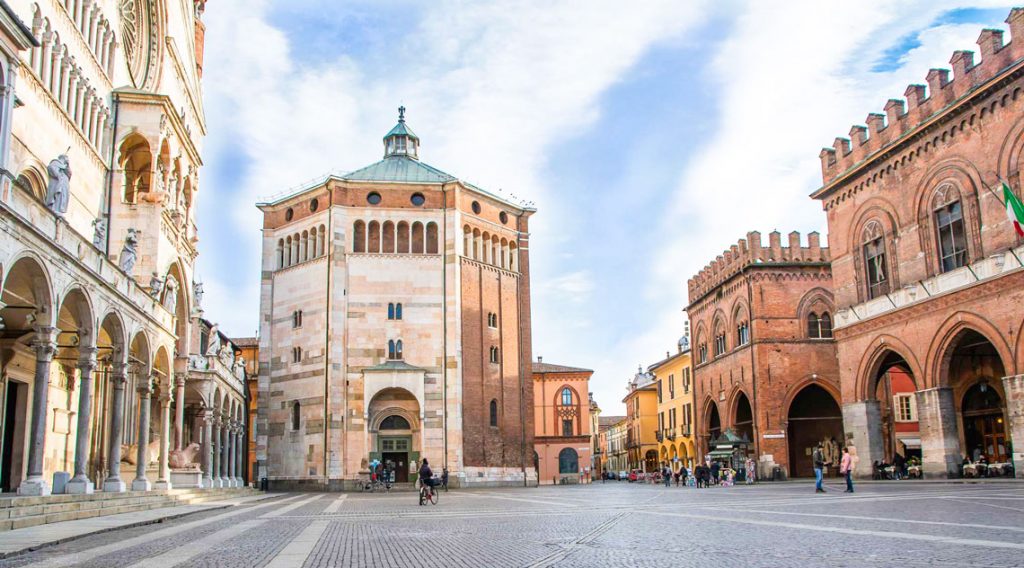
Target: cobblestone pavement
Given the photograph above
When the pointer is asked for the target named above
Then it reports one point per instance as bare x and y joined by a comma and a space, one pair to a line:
905, 524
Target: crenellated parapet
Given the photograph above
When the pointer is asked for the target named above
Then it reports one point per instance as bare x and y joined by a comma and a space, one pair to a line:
921, 103
751, 251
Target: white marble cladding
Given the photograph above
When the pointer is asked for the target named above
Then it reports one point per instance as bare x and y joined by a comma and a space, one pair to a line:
61, 236
913, 293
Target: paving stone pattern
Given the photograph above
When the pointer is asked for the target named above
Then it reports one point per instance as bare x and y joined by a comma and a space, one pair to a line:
907, 524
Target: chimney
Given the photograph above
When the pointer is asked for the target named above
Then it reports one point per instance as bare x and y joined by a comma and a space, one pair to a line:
540, 359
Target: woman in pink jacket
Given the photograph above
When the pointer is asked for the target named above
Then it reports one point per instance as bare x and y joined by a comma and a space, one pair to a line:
846, 468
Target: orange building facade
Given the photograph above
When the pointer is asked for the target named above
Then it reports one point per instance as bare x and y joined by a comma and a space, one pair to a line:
562, 444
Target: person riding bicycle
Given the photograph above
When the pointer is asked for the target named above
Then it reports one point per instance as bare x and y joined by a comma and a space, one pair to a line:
427, 476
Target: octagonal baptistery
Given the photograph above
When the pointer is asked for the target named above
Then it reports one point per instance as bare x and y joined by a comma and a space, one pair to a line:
394, 326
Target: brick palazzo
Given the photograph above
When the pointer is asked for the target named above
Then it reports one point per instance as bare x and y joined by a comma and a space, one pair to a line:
928, 272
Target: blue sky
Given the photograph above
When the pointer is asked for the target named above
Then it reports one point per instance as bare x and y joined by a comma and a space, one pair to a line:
651, 137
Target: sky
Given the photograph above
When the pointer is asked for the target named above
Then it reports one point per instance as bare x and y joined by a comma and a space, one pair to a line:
651, 135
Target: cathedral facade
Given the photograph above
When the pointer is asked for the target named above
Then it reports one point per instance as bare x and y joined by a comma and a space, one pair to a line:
109, 371
394, 327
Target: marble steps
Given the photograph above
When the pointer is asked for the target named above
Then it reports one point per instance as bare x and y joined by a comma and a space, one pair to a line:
22, 512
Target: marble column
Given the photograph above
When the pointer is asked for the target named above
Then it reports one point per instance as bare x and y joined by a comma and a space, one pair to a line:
81, 483
240, 455
215, 443
45, 345
145, 389
1014, 388
232, 479
113, 483
207, 419
862, 422
179, 411
164, 480
224, 481
940, 440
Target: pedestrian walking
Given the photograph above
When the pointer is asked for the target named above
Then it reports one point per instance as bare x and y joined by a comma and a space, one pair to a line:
716, 469
846, 469
666, 474
818, 457
749, 471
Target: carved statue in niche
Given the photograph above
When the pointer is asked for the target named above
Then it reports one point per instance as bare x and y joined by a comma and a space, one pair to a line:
129, 254
99, 233
184, 458
156, 285
157, 193
171, 294
58, 190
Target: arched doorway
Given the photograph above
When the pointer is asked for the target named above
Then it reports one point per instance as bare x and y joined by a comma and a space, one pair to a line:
744, 418
974, 373
25, 310
568, 461
651, 461
894, 389
814, 417
714, 423
394, 431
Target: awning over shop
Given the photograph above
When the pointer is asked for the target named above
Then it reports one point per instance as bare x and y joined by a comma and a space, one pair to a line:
911, 443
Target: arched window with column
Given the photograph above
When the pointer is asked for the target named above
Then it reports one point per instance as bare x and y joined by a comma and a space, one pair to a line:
359, 236
876, 266
950, 232
431, 238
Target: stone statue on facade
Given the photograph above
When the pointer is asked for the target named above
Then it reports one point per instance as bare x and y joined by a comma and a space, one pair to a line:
58, 190
214, 348
184, 458
171, 294
156, 285
129, 452
129, 254
197, 293
99, 233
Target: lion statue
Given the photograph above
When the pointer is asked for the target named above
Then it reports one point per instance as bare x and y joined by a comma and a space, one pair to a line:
129, 452
185, 458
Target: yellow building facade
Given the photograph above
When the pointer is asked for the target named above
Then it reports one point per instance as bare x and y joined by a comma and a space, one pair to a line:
642, 422
673, 380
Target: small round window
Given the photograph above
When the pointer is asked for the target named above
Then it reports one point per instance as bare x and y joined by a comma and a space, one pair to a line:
314, 205
288, 214
476, 207
503, 217
373, 198
417, 199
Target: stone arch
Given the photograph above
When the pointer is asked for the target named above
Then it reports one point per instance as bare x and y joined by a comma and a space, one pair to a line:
735, 409
711, 414
388, 237
950, 175
872, 361
431, 247
135, 160
418, 238
808, 422
373, 236
1011, 152
948, 335
385, 412
881, 212
806, 381
112, 331
403, 237
359, 236
75, 316
32, 181
27, 293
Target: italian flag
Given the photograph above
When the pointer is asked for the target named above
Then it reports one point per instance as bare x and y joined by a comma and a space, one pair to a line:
1014, 210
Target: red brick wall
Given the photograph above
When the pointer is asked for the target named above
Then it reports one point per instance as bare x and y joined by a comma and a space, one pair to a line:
779, 361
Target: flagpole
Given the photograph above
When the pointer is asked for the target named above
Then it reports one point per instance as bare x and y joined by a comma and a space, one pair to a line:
1003, 203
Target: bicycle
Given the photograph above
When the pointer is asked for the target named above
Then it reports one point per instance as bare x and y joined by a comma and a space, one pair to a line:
427, 493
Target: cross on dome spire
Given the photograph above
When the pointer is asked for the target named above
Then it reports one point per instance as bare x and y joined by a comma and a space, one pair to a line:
401, 114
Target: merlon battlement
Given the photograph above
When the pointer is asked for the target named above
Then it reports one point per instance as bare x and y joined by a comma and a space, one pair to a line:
750, 251
922, 102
